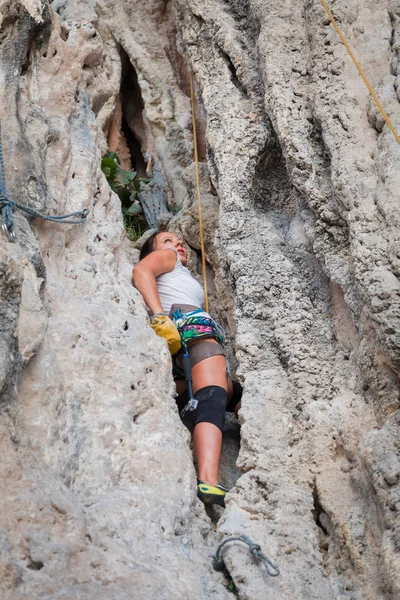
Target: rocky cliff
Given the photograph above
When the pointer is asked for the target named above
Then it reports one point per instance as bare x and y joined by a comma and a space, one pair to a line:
300, 190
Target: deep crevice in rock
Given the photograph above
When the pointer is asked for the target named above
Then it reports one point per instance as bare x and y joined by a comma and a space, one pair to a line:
132, 124
25, 64
319, 512
134, 147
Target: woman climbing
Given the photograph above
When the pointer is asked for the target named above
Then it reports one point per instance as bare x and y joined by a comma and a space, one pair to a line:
169, 291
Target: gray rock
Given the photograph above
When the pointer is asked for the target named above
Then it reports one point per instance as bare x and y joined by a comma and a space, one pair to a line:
301, 218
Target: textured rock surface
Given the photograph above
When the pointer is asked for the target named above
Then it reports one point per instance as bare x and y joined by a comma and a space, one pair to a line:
309, 228
99, 499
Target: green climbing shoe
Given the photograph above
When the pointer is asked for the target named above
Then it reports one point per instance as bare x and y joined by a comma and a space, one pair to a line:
211, 494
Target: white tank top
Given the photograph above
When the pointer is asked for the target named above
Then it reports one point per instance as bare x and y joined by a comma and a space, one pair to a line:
179, 287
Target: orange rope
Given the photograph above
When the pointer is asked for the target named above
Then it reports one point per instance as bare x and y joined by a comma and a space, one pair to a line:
367, 83
196, 159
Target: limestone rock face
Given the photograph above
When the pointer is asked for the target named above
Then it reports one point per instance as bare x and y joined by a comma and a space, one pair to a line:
301, 215
98, 495
306, 176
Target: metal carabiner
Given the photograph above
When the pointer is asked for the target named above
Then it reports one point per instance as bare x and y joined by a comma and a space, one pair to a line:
189, 407
9, 232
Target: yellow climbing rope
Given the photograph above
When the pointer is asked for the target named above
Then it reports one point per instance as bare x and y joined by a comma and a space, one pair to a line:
367, 83
196, 159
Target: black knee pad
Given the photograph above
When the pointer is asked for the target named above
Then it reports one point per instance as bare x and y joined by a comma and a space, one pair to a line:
211, 405
236, 396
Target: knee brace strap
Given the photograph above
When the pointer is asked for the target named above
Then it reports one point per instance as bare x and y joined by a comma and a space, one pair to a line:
212, 405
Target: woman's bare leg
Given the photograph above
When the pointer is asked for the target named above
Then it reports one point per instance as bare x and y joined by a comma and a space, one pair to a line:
207, 440
207, 437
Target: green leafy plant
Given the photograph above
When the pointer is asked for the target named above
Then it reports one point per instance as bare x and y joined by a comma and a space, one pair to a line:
127, 185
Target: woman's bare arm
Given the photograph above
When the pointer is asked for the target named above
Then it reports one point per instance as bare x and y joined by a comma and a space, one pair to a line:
145, 273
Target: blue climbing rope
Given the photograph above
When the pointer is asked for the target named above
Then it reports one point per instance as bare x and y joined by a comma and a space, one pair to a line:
7, 223
7, 207
255, 549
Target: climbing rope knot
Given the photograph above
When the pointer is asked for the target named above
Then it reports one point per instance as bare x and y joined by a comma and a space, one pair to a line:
255, 550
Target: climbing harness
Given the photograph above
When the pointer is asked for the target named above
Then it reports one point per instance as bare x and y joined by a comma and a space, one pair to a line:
191, 328
365, 79
255, 550
7, 207
196, 160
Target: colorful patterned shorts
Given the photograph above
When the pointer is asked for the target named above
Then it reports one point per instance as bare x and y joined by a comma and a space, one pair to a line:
204, 338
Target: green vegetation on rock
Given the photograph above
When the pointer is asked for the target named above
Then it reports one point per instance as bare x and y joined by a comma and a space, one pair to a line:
127, 185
